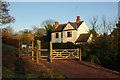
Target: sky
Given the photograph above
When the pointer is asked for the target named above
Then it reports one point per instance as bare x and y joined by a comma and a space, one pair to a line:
29, 14
63, 0
119, 8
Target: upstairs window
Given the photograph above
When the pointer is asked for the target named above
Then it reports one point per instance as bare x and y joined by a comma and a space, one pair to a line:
56, 35
69, 34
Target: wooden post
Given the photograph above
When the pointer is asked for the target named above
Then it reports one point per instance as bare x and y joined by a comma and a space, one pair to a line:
32, 49
19, 49
80, 55
50, 51
38, 50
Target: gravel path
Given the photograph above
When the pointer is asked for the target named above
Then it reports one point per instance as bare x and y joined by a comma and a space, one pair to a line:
75, 69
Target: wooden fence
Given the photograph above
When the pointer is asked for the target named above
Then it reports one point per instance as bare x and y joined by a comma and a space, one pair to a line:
53, 53
65, 54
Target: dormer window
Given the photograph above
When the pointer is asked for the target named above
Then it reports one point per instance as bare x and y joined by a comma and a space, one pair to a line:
57, 35
69, 34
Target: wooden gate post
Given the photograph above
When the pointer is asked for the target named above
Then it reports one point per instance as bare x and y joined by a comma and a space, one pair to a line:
32, 49
80, 55
50, 51
20, 49
38, 50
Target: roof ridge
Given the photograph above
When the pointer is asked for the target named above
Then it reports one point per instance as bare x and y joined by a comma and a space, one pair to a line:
75, 25
76, 22
63, 24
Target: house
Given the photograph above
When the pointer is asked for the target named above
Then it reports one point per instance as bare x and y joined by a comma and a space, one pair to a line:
75, 32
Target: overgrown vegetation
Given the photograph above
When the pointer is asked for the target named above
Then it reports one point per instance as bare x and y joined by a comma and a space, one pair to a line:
104, 50
68, 45
10, 41
14, 67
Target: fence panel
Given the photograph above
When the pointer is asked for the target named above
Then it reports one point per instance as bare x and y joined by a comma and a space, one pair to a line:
50, 54
65, 54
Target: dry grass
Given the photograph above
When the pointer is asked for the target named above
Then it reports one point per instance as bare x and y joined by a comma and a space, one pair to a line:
24, 67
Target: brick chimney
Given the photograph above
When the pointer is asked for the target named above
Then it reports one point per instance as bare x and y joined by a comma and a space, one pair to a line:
56, 24
78, 19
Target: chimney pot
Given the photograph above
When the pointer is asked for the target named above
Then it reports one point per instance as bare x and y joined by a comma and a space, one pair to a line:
78, 19
56, 24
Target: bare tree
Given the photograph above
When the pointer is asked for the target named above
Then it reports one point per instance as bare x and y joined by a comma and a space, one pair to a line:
104, 24
107, 24
8, 31
93, 22
94, 25
111, 25
47, 24
38, 31
34, 29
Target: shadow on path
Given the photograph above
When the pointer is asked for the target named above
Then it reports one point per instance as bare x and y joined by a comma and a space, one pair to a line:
19, 71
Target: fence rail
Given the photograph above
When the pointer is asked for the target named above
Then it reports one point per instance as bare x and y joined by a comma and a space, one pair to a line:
53, 53
65, 54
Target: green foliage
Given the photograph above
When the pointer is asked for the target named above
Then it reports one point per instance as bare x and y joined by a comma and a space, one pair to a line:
116, 33
94, 33
68, 45
45, 45
7, 73
94, 59
103, 51
5, 18
105, 48
49, 28
9, 48
48, 25
24, 38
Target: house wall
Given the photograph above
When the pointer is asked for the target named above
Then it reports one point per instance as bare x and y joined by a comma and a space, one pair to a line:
54, 39
69, 28
69, 39
90, 38
83, 29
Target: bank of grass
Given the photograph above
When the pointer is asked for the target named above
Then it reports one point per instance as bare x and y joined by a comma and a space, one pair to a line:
9, 49
8, 68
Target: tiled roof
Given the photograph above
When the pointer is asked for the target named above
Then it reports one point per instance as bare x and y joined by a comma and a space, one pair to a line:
75, 24
62, 26
83, 37
59, 28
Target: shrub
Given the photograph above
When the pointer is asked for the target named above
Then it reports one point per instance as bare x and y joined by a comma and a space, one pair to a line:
10, 41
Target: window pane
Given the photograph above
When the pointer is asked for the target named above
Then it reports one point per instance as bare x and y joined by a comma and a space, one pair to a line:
56, 35
69, 34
